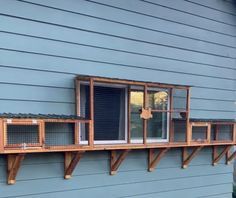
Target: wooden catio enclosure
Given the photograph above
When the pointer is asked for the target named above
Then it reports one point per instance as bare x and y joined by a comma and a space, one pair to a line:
117, 115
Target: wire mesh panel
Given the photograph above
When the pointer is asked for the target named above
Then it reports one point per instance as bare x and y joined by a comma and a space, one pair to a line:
22, 135
199, 133
221, 132
59, 134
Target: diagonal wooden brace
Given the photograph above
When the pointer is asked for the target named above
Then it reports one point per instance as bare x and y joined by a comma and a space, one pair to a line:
154, 160
71, 160
230, 156
187, 158
117, 160
217, 157
13, 166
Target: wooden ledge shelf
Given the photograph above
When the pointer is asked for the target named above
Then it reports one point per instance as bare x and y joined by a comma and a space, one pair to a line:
43, 132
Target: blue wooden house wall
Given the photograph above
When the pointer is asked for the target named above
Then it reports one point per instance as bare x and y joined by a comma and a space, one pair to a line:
44, 44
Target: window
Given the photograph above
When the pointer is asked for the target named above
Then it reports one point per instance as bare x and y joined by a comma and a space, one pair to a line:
110, 112
157, 126
117, 108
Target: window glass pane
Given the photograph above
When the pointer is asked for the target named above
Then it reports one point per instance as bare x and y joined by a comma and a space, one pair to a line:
136, 104
179, 99
109, 112
158, 98
157, 126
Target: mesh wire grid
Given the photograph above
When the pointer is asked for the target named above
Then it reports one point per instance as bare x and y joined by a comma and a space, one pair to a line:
59, 134
22, 134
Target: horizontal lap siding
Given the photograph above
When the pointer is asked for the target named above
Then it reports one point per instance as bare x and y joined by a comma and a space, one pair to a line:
45, 44
91, 177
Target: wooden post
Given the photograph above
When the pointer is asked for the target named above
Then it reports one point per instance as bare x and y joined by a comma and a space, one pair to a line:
171, 128
13, 166
189, 127
91, 124
1, 136
129, 116
42, 133
234, 132
208, 137
145, 120
77, 97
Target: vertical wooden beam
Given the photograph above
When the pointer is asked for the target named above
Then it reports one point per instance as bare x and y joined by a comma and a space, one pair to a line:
129, 116
77, 96
71, 160
187, 158
116, 160
208, 136
145, 120
234, 132
171, 128
217, 157
77, 132
154, 160
189, 128
4, 134
1, 136
13, 166
91, 124
42, 133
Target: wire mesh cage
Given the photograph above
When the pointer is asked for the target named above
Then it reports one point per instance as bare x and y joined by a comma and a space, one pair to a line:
59, 134
22, 135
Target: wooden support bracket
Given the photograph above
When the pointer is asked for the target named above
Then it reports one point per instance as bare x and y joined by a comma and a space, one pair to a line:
187, 158
230, 156
71, 160
117, 160
217, 157
13, 166
154, 160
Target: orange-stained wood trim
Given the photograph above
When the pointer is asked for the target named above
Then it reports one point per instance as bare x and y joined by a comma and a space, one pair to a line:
145, 105
1, 136
129, 116
216, 157
91, 124
116, 160
188, 126
130, 82
154, 160
13, 166
187, 158
77, 97
70, 162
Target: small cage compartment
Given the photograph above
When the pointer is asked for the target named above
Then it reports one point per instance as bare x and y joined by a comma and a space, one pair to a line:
22, 135
222, 132
179, 129
199, 133
59, 134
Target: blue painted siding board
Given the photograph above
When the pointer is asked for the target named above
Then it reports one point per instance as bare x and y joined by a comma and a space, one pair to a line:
197, 10
171, 15
72, 21
183, 42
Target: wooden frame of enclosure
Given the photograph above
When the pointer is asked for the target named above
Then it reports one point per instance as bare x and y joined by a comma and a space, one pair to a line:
73, 153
